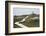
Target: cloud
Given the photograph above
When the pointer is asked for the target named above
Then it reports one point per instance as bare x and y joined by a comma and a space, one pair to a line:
25, 11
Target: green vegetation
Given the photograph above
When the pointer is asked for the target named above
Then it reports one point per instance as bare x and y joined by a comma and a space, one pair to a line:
31, 23
28, 22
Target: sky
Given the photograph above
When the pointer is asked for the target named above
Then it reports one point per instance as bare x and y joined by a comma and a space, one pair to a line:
25, 11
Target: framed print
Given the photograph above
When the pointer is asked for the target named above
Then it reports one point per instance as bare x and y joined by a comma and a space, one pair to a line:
24, 17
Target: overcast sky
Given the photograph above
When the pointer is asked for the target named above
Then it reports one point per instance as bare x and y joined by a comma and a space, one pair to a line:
25, 11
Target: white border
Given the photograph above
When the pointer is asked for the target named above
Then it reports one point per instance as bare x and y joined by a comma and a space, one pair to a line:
16, 30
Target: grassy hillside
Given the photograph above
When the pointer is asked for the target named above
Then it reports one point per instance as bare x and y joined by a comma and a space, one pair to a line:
28, 22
